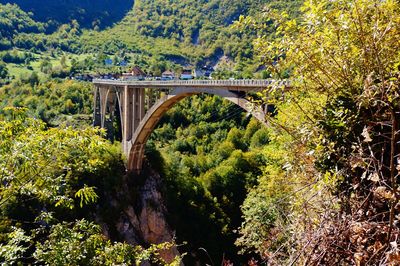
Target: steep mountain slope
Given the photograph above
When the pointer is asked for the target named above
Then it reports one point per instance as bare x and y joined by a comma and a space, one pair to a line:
184, 32
88, 13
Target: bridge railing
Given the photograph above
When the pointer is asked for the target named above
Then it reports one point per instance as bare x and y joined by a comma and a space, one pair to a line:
216, 83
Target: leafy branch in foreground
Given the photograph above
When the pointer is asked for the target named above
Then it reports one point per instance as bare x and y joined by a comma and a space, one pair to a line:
46, 176
342, 57
83, 244
39, 162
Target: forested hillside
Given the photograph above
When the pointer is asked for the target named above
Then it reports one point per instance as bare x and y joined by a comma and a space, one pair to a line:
318, 186
181, 32
88, 13
187, 31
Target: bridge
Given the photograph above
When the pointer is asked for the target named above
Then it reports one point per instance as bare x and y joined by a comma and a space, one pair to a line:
141, 104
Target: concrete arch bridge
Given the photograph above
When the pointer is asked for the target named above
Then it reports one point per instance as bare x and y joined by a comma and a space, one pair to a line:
141, 105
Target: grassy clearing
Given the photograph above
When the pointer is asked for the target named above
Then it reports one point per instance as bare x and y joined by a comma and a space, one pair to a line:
23, 70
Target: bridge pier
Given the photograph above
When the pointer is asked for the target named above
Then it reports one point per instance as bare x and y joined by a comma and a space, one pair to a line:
126, 117
132, 113
96, 108
111, 104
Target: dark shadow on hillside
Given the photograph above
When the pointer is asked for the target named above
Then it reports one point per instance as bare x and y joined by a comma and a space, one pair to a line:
88, 13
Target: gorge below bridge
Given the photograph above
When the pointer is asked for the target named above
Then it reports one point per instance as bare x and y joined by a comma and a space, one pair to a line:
141, 104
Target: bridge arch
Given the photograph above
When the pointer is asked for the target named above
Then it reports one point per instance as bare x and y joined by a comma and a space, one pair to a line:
136, 146
107, 107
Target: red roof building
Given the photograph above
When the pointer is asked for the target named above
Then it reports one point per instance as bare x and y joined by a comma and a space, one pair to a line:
135, 73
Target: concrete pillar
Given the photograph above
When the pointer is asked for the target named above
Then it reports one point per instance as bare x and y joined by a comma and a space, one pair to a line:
150, 98
119, 93
135, 162
138, 113
96, 108
134, 111
103, 103
142, 111
127, 98
110, 110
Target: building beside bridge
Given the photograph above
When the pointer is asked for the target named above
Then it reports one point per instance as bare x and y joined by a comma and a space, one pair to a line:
135, 73
168, 75
186, 74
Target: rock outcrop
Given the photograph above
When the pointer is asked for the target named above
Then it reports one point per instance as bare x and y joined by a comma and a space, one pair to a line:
142, 219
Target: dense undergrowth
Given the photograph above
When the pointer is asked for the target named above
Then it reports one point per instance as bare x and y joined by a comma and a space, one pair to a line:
53, 181
331, 197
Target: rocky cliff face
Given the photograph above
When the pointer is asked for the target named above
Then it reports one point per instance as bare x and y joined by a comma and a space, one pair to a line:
142, 214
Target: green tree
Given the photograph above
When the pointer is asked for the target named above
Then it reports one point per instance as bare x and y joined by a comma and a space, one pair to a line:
259, 139
83, 244
33, 79
235, 136
3, 70
46, 66
63, 61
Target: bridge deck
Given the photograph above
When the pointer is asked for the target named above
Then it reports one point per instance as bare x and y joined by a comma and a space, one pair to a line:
241, 85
